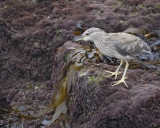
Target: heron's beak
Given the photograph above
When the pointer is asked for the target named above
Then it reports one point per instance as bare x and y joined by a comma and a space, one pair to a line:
78, 38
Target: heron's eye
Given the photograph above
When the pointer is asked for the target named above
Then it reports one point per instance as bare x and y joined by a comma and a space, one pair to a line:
87, 33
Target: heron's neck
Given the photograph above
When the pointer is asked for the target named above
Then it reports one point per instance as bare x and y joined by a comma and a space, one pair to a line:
99, 39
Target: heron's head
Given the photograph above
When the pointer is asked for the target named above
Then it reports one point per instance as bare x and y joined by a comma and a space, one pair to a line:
88, 35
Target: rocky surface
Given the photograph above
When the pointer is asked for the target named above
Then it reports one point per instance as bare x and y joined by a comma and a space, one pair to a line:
31, 33
94, 102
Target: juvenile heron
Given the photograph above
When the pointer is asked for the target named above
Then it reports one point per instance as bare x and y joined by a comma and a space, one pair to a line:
122, 46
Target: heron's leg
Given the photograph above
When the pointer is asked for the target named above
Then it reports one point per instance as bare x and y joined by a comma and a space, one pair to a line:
122, 80
116, 72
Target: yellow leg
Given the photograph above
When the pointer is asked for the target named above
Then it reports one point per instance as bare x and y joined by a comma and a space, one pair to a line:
116, 73
122, 80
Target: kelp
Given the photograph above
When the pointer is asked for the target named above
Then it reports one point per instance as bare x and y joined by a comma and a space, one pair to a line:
60, 100
155, 34
79, 29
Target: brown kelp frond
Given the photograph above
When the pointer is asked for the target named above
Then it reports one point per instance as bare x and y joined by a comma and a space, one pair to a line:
60, 101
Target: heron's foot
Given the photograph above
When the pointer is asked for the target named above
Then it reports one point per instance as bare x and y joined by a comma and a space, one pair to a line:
121, 81
116, 73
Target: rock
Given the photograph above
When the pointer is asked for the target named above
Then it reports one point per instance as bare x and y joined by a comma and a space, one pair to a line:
97, 104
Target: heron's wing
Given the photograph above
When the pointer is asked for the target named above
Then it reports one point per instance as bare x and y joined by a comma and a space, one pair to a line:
127, 44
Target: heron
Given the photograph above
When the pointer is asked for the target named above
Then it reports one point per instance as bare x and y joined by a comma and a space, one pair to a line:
122, 46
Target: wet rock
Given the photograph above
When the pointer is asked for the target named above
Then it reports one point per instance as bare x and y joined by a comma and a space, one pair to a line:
30, 35
98, 104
